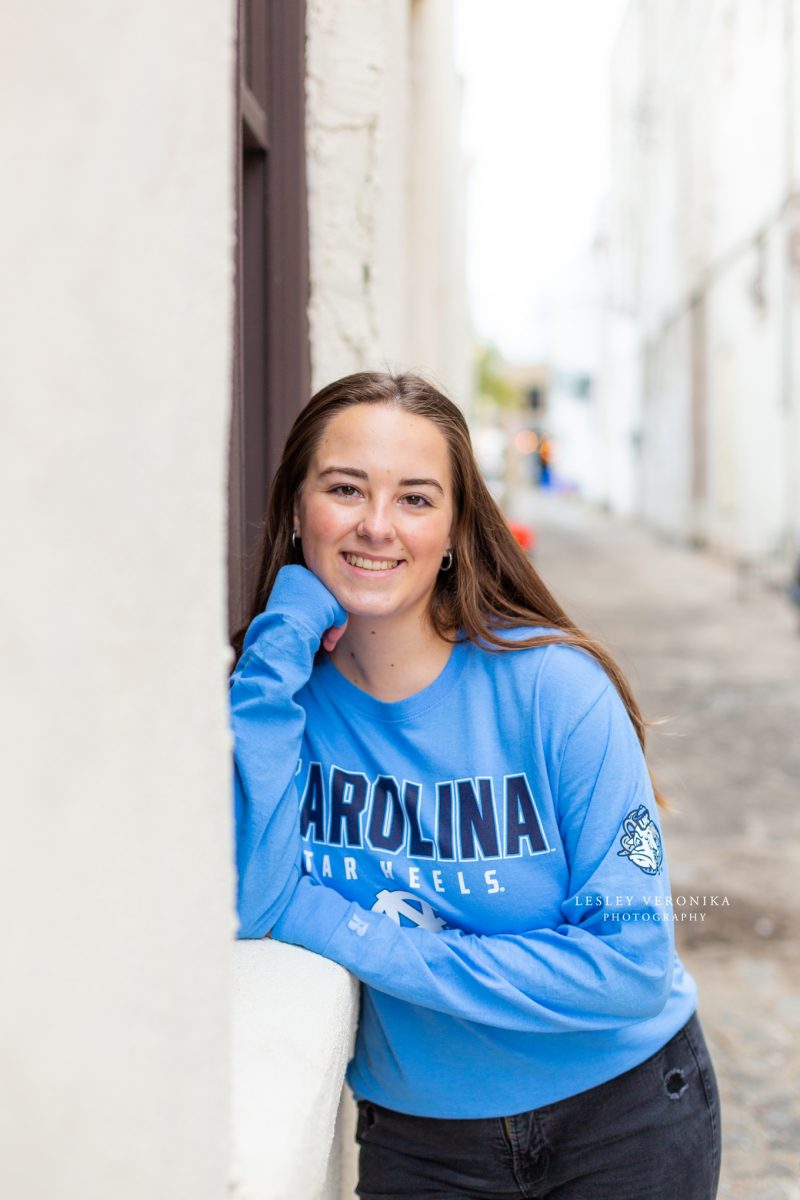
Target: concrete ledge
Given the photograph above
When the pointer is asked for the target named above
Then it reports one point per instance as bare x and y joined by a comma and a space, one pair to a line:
294, 1019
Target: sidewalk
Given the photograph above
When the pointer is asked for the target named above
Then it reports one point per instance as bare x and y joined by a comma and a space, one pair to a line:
720, 662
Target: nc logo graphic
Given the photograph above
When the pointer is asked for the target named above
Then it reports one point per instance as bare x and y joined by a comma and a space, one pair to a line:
641, 841
414, 909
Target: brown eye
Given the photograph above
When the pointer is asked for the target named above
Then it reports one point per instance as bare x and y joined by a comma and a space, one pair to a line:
416, 501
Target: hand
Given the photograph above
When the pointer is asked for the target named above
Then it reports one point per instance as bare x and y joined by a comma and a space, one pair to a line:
331, 636
299, 593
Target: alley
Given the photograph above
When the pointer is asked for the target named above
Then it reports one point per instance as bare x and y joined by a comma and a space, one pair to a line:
716, 659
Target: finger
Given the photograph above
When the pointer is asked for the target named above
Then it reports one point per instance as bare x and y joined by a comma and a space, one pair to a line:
332, 635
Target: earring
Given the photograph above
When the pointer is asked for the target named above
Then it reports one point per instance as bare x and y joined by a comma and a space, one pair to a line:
447, 565
295, 539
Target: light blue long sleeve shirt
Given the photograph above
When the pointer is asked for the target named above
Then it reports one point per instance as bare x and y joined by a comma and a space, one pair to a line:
268, 724
486, 856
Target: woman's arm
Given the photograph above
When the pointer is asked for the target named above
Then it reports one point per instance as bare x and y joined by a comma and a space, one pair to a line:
268, 724
590, 972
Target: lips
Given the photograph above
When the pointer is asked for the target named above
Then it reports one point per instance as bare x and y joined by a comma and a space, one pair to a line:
371, 564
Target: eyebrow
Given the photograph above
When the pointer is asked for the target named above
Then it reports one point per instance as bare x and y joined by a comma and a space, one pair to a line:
355, 473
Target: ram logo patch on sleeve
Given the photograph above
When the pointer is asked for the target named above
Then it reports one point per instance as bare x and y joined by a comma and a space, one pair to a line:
641, 841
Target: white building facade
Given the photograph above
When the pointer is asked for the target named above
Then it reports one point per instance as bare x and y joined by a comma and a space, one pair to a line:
703, 272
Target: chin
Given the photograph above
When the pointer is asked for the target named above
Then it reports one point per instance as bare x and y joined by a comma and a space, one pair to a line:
358, 605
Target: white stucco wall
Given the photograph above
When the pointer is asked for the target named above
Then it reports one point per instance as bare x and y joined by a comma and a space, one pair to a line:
116, 872
386, 191
436, 300
293, 1028
746, 463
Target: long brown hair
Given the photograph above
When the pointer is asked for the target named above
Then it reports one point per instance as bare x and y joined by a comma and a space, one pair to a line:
491, 586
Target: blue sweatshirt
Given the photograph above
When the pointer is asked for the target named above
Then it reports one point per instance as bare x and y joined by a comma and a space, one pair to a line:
485, 855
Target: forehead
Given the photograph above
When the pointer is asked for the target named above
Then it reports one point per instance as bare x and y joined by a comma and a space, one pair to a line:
380, 438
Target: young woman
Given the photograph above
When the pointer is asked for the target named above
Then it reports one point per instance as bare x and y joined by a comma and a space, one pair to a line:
441, 785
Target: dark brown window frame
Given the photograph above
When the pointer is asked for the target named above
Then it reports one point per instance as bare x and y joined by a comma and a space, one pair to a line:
271, 353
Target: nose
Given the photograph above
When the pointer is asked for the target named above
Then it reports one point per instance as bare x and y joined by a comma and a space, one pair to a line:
376, 524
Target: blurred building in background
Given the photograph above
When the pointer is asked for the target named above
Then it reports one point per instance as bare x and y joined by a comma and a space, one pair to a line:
577, 421
699, 263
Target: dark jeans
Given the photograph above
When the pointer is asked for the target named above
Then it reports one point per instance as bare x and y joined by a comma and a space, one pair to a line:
652, 1133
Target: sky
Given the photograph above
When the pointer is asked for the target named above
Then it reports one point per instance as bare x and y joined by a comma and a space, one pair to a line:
535, 131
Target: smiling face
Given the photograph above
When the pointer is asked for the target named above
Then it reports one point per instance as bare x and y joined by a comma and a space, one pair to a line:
375, 510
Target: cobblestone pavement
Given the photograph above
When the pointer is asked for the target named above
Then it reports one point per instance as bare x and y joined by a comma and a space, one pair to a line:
718, 658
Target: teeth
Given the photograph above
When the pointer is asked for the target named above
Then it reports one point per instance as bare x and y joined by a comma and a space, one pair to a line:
371, 564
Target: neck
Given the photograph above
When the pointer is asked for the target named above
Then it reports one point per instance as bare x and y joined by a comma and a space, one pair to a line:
390, 659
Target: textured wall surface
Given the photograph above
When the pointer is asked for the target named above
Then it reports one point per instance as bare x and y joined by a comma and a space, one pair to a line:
293, 1027
116, 862
386, 191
